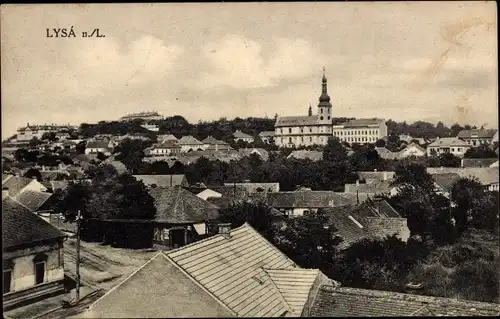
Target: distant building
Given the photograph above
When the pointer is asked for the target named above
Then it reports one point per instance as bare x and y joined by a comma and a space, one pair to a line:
266, 136
303, 154
99, 146
303, 202
166, 137
478, 137
190, 144
412, 149
450, 145
487, 176
32, 253
262, 153
163, 180
478, 162
294, 131
167, 148
28, 132
151, 127
143, 116
214, 144
240, 136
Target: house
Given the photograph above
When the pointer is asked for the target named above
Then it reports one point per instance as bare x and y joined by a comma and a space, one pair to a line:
487, 176
166, 148
262, 153
303, 154
478, 162
374, 187
372, 220
266, 137
386, 154
411, 149
240, 136
444, 182
53, 186
236, 273
337, 301
303, 202
214, 144
99, 146
163, 180
18, 184
181, 216
189, 144
370, 177
356, 198
451, 145
32, 200
33, 264
255, 187
477, 137
166, 137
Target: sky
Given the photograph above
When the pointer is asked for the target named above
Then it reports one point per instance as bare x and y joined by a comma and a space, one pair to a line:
430, 61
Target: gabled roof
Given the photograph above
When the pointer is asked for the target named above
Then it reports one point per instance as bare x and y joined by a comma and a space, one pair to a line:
485, 175
296, 120
266, 134
375, 187
167, 137
213, 141
16, 184
352, 302
178, 206
235, 271
20, 226
162, 180
448, 142
306, 199
303, 154
189, 140
240, 134
363, 122
415, 145
386, 154
368, 175
353, 198
484, 133
32, 200
478, 162
264, 155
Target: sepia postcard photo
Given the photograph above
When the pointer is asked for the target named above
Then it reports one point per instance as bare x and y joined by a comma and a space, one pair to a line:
264, 159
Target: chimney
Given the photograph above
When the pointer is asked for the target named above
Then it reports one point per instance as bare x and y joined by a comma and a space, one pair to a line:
225, 230
5, 193
385, 176
357, 182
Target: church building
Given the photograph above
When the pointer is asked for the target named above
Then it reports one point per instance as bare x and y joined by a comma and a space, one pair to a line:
294, 131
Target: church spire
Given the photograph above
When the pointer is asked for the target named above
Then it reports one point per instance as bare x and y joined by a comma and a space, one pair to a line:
324, 98
310, 113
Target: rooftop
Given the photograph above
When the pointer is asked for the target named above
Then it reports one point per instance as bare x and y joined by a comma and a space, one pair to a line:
303, 154
15, 184
485, 175
448, 142
189, 140
296, 121
240, 134
478, 133
362, 122
306, 199
162, 180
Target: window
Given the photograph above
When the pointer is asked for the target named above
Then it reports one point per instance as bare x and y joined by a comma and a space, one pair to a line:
290, 140
321, 111
321, 117
7, 279
310, 139
452, 149
328, 117
289, 130
39, 272
301, 130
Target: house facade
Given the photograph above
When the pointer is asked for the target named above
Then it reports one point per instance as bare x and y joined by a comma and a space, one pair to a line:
169, 147
295, 131
29, 132
240, 136
267, 136
33, 263
190, 144
450, 145
99, 146
412, 150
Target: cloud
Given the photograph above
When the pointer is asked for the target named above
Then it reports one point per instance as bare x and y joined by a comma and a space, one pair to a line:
240, 63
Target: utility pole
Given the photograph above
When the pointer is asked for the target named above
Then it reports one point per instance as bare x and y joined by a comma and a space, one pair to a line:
78, 219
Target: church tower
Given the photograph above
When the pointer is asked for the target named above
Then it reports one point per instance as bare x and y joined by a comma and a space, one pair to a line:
324, 106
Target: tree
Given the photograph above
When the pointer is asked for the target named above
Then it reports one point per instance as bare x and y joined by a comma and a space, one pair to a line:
131, 153
258, 215
80, 147
33, 172
34, 142
50, 136
448, 160
308, 240
380, 143
101, 156
482, 151
334, 151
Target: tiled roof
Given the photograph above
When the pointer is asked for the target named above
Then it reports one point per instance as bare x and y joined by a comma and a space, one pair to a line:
20, 226
371, 176
375, 187
353, 198
15, 184
485, 133
306, 199
478, 162
158, 289
264, 155
266, 134
240, 134
352, 302
294, 285
254, 187
448, 142
445, 180
189, 140
177, 205
32, 200
213, 141
386, 154
296, 120
485, 175
233, 271
303, 154
162, 180
167, 137
97, 144
363, 122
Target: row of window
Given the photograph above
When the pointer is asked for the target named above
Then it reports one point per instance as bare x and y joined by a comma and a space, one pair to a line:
301, 139
364, 132
310, 130
452, 149
359, 139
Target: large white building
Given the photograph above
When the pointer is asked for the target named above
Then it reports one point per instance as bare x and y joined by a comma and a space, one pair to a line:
142, 115
28, 132
294, 131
